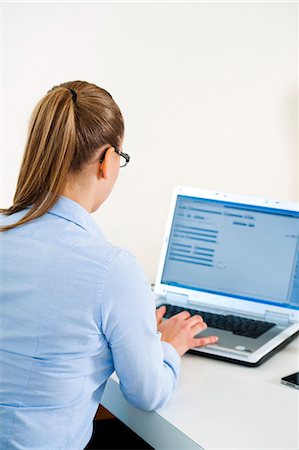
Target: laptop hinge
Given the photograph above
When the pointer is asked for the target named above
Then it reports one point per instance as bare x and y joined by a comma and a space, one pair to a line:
278, 318
172, 297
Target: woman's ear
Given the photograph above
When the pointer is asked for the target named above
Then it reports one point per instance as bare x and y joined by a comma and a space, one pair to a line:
105, 163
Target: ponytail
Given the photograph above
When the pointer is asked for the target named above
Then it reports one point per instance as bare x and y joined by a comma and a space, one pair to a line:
66, 128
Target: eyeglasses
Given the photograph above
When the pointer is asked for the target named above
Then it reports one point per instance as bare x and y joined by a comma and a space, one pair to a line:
124, 157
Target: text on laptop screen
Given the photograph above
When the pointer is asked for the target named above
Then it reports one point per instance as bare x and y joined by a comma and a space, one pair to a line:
242, 251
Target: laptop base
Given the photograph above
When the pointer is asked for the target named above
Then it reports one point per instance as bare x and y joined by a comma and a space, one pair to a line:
246, 363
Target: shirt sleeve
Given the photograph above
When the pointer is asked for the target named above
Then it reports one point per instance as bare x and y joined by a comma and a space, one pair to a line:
147, 368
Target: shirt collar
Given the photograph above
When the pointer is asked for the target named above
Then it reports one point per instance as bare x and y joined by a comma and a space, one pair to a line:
70, 210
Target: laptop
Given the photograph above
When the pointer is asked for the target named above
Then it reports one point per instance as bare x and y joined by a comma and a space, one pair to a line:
234, 260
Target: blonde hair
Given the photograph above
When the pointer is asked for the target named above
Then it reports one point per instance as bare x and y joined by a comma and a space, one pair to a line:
65, 130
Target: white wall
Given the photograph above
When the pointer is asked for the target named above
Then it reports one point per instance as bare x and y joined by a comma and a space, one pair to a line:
208, 91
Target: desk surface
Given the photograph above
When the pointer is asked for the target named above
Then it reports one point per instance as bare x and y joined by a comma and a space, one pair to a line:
221, 406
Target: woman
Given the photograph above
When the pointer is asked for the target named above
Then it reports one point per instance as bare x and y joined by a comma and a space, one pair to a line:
74, 307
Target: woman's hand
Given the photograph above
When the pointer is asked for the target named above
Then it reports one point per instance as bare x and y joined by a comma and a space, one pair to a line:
180, 330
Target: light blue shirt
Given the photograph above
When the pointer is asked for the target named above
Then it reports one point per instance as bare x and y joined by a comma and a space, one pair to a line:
74, 308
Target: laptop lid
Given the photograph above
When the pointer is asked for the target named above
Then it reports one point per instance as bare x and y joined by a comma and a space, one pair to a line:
231, 252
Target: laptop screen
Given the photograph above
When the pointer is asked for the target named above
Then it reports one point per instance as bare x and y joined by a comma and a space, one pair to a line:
242, 251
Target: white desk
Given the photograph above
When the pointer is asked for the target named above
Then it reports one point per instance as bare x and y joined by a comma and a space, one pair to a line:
221, 406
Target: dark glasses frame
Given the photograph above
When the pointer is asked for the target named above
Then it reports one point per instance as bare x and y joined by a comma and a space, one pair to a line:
120, 153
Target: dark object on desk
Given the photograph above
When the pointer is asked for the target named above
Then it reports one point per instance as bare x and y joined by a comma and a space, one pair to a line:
113, 434
291, 380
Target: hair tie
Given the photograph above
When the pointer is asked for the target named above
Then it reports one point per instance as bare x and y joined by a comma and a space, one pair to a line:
74, 94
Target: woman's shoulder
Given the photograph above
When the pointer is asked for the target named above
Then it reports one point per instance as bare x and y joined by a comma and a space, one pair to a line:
6, 219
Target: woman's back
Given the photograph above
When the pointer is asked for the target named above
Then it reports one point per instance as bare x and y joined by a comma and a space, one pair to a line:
54, 357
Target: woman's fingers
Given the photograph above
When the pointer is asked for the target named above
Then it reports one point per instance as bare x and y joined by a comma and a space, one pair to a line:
185, 315
160, 313
200, 326
194, 320
200, 342
182, 315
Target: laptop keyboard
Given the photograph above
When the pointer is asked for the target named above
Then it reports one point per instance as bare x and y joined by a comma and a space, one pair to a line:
237, 325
